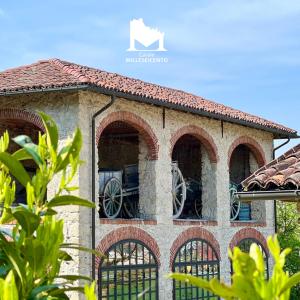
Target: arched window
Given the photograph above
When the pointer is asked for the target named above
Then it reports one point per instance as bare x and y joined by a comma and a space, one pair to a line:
126, 148
245, 156
196, 257
245, 244
129, 271
16, 127
193, 173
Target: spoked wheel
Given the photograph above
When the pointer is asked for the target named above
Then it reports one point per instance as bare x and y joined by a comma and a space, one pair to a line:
178, 191
112, 198
234, 203
131, 208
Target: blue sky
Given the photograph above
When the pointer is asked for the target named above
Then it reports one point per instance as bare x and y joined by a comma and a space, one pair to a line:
244, 54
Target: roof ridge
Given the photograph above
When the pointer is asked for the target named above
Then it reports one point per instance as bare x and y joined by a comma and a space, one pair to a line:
66, 67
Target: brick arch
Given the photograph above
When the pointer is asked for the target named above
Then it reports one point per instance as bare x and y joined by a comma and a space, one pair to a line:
253, 145
190, 234
138, 123
127, 233
201, 135
249, 233
21, 114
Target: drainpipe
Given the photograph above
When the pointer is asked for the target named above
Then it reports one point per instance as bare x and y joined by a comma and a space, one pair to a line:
288, 196
95, 115
275, 207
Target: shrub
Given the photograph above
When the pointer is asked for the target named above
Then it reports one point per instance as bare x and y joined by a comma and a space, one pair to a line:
32, 250
248, 280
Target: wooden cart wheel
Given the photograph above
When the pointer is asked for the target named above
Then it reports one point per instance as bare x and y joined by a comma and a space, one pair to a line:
131, 209
112, 198
178, 191
234, 203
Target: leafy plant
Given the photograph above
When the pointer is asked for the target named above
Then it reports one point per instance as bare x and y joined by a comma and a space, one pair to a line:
289, 237
32, 250
248, 279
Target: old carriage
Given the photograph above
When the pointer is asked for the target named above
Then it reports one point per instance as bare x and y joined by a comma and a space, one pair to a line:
119, 189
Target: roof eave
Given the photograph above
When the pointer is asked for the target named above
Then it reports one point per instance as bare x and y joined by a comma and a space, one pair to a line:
278, 134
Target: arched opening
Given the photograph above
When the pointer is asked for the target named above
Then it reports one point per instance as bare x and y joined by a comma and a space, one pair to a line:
193, 173
196, 257
243, 162
16, 127
245, 245
129, 271
124, 173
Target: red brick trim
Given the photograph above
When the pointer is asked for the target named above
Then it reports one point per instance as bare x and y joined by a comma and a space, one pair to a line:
127, 222
193, 233
125, 233
247, 224
138, 123
20, 114
253, 145
195, 222
201, 135
247, 233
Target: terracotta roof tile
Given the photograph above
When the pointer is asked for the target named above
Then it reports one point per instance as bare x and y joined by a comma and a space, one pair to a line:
55, 73
282, 173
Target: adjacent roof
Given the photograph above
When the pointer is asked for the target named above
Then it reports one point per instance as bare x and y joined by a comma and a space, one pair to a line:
282, 173
57, 74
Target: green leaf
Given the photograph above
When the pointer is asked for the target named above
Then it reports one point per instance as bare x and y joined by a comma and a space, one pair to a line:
80, 248
292, 281
40, 289
72, 150
221, 289
15, 168
51, 130
69, 200
21, 154
89, 291
14, 258
194, 281
34, 252
28, 220
10, 291
26, 143
48, 212
63, 255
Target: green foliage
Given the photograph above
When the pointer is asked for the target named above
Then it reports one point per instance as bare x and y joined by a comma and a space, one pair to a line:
32, 250
289, 237
248, 279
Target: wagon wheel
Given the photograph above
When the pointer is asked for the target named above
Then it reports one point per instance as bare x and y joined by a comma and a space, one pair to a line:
131, 208
198, 207
234, 203
112, 198
178, 192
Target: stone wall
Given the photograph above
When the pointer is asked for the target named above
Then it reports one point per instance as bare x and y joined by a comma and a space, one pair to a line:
216, 197
155, 148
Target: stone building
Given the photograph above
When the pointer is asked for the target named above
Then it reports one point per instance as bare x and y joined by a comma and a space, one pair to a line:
169, 155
